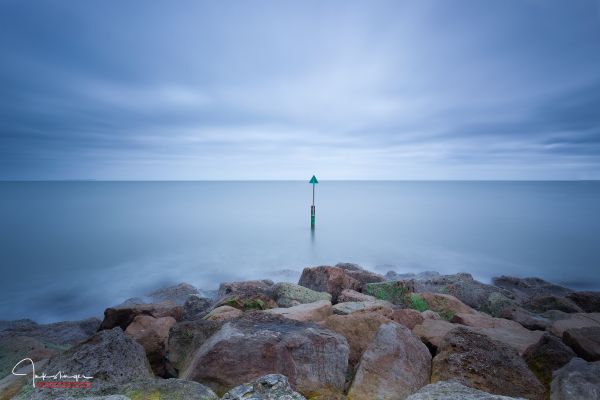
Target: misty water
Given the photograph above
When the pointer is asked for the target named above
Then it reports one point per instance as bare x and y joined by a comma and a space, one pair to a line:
68, 250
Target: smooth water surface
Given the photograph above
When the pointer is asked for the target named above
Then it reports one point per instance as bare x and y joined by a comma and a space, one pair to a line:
68, 250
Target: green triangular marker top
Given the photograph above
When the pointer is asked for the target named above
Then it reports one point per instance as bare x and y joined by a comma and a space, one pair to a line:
313, 180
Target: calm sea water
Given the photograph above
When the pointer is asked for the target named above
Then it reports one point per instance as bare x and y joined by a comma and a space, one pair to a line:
70, 249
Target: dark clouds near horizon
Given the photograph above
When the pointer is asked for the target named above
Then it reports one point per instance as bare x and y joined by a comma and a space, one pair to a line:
281, 89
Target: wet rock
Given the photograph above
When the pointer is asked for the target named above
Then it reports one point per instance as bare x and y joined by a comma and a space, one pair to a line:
584, 341
588, 301
573, 321
393, 291
168, 389
177, 294
123, 315
508, 332
268, 387
359, 329
247, 301
152, 333
547, 356
313, 358
578, 379
289, 295
354, 306
185, 338
540, 303
223, 313
524, 288
395, 365
328, 279
349, 295
452, 390
317, 311
486, 364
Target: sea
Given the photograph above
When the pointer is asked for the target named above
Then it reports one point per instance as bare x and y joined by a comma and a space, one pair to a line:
70, 249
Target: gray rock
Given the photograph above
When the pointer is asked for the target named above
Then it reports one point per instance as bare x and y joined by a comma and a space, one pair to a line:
542, 302
578, 379
290, 294
588, 301
196, 306
61, 333
352, 295
394, 365
264, 286
354, 306
452, 390
585, 341
546, 356
524, 288
185, 338
313, 358
268, 387
349, 266
178, 294
168, 389
421, 276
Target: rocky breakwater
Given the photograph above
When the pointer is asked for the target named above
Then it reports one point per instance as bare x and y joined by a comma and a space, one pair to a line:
342, 332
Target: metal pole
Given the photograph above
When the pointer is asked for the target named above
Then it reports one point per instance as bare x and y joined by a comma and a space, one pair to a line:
312, 210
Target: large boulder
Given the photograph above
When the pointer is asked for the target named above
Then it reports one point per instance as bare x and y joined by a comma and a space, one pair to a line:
196, 306
313, 358
542, 302
316, 312
432, 331
524, 288
573, 321
547, 356
452, 390
268, 387
349, 295
486, 364
444, 304
508, 332
167, 389
152, 333
124, 314
223, 313
527, 319
177, 294
247, 301
58, 333
328, 279
185, 338
588, 301
359, 329
407, 317
290, 294
264, 286
395, 365
350, 307
578, 379
395, 292
585, 342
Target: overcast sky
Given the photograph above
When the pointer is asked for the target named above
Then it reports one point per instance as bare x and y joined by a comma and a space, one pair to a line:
281, 90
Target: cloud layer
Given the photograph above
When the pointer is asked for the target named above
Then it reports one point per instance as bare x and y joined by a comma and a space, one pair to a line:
281, 89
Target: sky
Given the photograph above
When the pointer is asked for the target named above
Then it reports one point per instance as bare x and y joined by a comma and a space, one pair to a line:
211, 90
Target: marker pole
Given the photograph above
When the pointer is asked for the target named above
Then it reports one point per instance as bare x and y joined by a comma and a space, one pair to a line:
312, 210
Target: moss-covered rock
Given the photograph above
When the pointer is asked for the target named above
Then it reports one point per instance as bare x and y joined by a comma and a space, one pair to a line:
289, 295
394, 291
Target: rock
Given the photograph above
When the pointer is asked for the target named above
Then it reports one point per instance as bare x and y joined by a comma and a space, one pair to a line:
359, 329
431, 332
17, 325
526, 319
486, 364
317, 311
395, 365
349, 266
584, 341
497, 303
11, 384
544, 302
247, 301
588, 301
223, 313
177, 294
428, 314
349, 295
328, 279
111, 357
364, 277
393, 291
524, 288
268, 387
462, 286
425, 275
153, 334
547, 356
289, 294
59, 333
123, 315
196, 306
508, 332
313, 358
407, 317
185, 338
354, 306
452, 390
264, 286
572, 321
576, 380
444, 304
15, 348
168, 389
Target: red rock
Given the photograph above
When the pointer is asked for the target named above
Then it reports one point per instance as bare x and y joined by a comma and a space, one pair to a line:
153, 334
